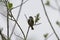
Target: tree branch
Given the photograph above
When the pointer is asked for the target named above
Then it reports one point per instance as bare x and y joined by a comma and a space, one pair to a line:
3, 14
49, 36
57, 3
28, 28
7, 20
53, 7
17, 18
18, 36
37, 24
18, 25
49, 20
27, 33
20, 4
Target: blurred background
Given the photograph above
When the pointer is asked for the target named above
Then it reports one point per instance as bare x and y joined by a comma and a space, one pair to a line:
31, 8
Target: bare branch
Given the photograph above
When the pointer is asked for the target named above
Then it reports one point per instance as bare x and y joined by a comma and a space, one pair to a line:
3, 37
27, 33
49, 20
18, 26
3, 14
18, 36
49, 36
57, 3
37, 24
7, 20
17, 18
26, 17
20, 4
28, 28
53, 7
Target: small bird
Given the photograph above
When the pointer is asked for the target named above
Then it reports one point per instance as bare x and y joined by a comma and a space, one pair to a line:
31, 22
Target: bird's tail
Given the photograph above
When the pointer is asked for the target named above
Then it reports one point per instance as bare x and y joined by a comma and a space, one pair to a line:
32, 28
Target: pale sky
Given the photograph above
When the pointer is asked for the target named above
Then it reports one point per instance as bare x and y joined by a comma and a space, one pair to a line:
31, 8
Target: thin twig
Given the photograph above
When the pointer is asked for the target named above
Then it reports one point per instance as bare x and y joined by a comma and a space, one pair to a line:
53, 7
37, 24
49, 36
3, 37
27, 33
28, 28
18, 36
57, 3
20, 4
3, 14
49, 20
17, 18
7, 21
18, 25
26, 17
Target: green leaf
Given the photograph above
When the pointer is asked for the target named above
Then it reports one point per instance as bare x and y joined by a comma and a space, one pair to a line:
47, 3
9, 5
37, 18
45, 35
58, 23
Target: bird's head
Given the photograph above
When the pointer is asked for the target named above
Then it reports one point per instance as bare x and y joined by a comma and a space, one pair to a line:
31, 17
